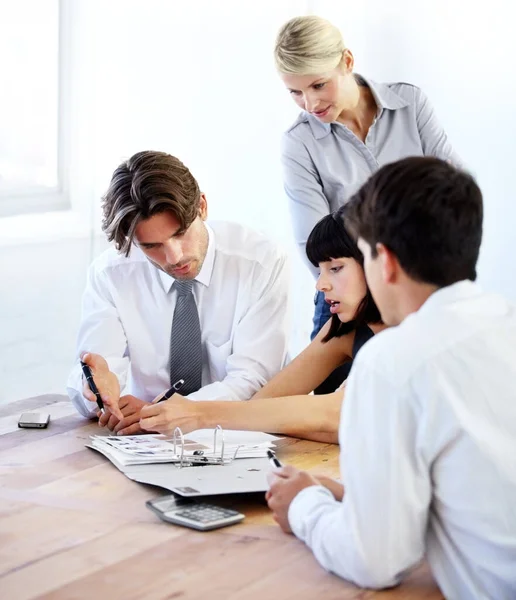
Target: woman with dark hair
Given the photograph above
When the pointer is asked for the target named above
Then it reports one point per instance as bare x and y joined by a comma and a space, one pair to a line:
328, 239
284, 404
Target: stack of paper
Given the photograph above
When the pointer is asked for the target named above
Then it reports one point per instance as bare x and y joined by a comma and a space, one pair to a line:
198, 445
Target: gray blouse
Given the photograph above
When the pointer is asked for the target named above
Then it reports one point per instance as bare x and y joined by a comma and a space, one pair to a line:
325, 163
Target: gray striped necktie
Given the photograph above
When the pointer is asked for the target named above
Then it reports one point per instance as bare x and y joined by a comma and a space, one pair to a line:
185, 359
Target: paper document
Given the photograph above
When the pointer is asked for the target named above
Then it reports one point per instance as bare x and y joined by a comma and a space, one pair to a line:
198, 446
151, 459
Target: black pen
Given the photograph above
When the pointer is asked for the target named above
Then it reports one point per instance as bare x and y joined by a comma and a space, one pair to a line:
273, 458
89, 378
175, 388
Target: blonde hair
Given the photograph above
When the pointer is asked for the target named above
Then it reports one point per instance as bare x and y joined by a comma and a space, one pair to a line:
308, 45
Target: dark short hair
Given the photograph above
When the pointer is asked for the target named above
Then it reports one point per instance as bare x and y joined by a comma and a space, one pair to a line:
329, 239
147, 184
427, 212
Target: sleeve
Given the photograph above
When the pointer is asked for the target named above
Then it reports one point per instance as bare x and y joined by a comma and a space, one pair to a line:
260, 341
378, 531
434, 140
101, 332
303, 187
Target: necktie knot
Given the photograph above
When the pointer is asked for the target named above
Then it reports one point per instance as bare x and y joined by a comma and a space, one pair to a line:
183, 287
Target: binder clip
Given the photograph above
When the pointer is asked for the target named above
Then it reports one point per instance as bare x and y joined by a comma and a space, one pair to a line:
199, 457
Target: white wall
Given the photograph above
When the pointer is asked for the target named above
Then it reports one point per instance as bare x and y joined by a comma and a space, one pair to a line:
462, 54
195, 79
192, 78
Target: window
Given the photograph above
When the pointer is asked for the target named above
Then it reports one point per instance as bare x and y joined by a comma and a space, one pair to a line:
29, 107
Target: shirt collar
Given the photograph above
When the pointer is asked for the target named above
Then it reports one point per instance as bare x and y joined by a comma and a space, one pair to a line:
457, 292
204, 276
384, 97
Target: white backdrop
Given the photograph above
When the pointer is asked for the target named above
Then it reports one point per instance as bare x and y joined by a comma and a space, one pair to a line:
197, 79
462, 54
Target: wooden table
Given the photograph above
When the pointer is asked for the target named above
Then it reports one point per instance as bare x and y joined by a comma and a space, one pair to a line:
72, 526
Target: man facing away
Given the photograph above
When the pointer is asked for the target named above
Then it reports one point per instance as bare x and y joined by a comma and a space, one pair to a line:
428, 426
176, 299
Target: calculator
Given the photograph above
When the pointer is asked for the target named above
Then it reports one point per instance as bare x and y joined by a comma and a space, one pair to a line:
189, 513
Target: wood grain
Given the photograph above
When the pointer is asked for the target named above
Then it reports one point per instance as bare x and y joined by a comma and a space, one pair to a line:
72, 526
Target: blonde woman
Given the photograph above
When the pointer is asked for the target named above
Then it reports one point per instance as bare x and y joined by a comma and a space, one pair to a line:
348, 128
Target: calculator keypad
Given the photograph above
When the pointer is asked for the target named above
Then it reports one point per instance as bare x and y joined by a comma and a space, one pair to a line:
204, 513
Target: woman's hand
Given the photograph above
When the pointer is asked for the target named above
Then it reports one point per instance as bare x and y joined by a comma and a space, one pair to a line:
165, 416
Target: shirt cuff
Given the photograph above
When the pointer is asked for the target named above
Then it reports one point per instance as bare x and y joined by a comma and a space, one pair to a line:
84, 407
303, 505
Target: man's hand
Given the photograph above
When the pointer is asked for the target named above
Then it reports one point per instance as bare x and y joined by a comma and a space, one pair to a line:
336, 488
285, 486
130, 407
107, 383
174, 412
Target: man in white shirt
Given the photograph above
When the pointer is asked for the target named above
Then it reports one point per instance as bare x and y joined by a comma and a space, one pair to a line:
155, 214
428, 424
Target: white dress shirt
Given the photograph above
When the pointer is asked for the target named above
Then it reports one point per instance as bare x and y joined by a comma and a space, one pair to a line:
428, 454
242, 298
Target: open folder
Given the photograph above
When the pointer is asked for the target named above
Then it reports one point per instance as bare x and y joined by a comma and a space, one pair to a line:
203, 462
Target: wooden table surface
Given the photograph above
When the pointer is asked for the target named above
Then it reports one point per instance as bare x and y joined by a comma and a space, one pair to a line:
73, 526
